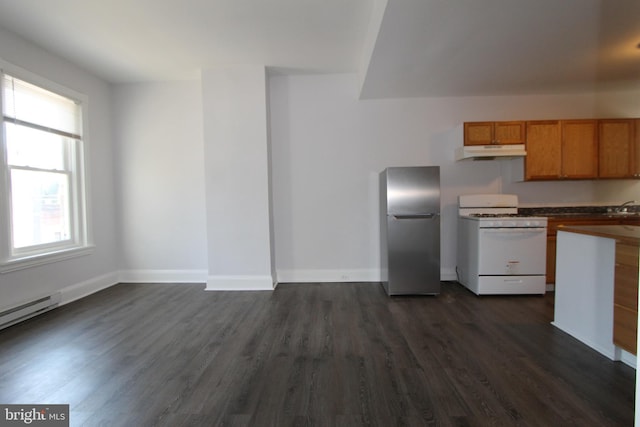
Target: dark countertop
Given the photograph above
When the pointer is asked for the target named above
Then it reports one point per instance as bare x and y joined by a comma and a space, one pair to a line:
581, 211
629, 234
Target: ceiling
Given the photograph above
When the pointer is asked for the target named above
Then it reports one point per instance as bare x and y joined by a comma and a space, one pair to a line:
400, 48
495, 47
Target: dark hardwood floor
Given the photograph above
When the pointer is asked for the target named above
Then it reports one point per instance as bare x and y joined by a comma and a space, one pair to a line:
311, 354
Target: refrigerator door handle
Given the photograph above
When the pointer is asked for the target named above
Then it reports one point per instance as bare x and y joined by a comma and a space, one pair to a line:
417, 216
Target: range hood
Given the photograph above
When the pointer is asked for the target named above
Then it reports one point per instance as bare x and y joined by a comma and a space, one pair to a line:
490, 152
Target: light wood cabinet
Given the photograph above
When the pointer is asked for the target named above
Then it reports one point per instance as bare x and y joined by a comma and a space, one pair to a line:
616, 148
561, 149
567, 149
579, 149
625, 297
544, 150
488, 133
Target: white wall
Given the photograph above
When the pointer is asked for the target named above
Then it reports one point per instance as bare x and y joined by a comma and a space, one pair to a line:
328, 148
76, 276
160, 175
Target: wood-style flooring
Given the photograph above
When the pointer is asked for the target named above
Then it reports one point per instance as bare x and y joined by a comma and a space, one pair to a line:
310, 354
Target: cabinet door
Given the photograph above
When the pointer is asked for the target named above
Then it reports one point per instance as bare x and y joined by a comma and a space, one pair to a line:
544, 150
635, 150
509, 132
579, 149
625, 298
615, 140
478, 133
552, 243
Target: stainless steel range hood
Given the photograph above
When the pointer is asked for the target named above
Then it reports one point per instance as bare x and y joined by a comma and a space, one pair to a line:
490, 152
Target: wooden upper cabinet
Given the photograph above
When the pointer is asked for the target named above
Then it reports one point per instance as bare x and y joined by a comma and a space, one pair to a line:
567, 149
616, 148
579, 148
478, 133
509, 132
544, 150
561, 149
488, 133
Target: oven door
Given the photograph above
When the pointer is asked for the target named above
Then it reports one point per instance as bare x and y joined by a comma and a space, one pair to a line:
512, 251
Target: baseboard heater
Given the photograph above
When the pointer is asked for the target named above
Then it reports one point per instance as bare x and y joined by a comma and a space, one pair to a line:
27, 310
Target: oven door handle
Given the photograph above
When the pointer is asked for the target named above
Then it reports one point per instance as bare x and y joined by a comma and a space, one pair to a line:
515, 230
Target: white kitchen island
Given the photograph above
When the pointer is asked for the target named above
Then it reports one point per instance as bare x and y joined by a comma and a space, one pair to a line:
584, 294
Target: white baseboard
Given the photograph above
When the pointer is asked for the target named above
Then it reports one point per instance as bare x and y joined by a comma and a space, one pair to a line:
163, 276
332, 276
86, 288
315, 276
240, 283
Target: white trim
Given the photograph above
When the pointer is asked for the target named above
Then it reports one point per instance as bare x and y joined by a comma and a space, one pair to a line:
304, 276
332, 276
41, 259
627, 358
88, 287
163, 276
82, 233
240, 283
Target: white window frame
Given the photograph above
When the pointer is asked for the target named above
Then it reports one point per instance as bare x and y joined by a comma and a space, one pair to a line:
81, 243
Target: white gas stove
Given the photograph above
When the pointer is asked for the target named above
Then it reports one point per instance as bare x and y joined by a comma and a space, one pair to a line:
500, 251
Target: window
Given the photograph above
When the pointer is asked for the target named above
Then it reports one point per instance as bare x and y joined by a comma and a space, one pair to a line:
42, 189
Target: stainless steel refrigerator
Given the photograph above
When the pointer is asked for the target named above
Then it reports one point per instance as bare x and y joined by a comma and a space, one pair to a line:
410, 230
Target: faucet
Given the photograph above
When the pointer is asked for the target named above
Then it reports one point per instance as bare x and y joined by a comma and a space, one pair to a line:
622, 207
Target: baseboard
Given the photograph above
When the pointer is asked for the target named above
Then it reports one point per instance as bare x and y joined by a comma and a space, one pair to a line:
628, 359
240, 283
163, 276
315, 276
332, 276
88, 287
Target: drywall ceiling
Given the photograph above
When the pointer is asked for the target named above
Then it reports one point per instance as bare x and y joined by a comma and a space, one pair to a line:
494, 47
142, 40
400, 48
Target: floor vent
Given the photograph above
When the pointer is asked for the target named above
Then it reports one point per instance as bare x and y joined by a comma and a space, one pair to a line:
27, 310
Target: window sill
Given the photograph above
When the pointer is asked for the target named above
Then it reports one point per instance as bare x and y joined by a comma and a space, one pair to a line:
22, 263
